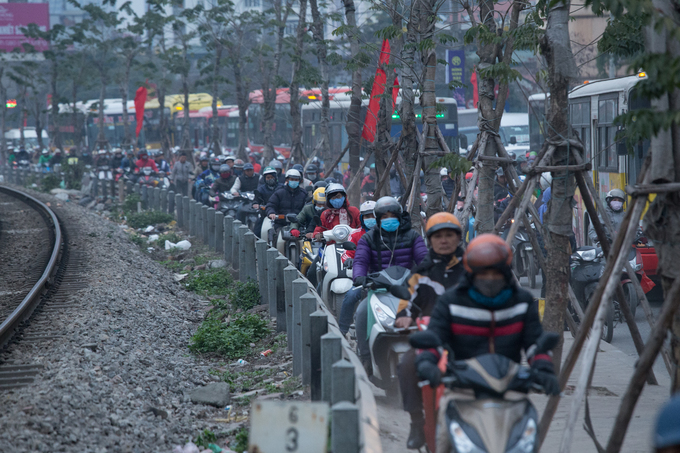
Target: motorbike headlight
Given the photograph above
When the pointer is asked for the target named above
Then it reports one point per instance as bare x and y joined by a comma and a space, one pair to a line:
588, 255
463, 443
384, 315
251, 196
635, 265
228, 196
528, 439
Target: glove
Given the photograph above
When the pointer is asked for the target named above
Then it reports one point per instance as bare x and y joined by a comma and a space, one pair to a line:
543, 374
295, 233
349, 262
360, 281
429, 371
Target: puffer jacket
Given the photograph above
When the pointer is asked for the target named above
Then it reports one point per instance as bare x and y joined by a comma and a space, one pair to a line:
378, 250
472, 329
222, 185
331, 217
285, 201
616, 218
264, 192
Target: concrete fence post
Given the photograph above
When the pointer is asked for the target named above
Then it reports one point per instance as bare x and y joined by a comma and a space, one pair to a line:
219, 232
272, 253
262, 277
307, 307
129, 188
235, 225
171, 203
180, 210
281, 263
331, 352
121, 191
164, 200
186, 217
290, 273
145, 195
156, 198
192, 217
251, 266
294, 331
345, 434
243, 271
318, 322
210, 221
228, 237
343, 382
204, 223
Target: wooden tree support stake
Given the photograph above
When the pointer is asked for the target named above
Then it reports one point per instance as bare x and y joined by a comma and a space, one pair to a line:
360, 172
645, 189
386, 176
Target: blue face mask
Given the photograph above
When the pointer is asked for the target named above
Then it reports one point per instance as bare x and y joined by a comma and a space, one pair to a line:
318, 208
293, 184
370, 223
390, 225
338, 202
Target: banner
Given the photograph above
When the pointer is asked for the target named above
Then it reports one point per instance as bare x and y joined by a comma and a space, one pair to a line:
378, 90
15, 16
455, 72
140, 100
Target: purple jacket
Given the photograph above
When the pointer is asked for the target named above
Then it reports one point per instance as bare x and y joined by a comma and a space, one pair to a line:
374, 253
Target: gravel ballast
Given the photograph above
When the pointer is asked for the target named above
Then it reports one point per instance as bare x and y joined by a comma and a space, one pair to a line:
120, 378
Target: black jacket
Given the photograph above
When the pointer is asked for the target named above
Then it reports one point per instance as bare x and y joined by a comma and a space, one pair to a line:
472, 329
285, 201
221, 185
249, 184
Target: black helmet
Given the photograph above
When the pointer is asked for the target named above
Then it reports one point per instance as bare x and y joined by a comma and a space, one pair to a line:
320, 183
385, 205
311, 169
248, 166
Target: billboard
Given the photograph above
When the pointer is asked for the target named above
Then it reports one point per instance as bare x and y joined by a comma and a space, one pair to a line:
455, 71
14, 16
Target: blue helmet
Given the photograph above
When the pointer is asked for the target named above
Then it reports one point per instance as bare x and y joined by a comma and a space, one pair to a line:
667, 432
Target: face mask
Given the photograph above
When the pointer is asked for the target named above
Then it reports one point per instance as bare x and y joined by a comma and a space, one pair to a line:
318, 208
338, 202
271, 182
225, 175
489, 287
616, 205
370, 223
390, 225
293, 184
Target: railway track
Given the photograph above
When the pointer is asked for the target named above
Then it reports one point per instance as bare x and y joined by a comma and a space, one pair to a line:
31, 252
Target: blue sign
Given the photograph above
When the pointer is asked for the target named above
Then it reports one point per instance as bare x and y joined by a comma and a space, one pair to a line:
455, 72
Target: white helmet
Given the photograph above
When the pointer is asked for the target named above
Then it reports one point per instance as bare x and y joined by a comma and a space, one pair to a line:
443, 172
293, 173
367, 207
546, 179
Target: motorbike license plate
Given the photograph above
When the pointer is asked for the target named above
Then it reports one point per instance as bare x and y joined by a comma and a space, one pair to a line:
528, 247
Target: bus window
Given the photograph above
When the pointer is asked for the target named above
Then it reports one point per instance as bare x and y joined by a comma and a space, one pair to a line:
606, 133
580, 123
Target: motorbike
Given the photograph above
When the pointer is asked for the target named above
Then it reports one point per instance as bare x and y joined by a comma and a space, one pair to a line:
490, 422
312, 252
104, 173
287, 244
386, 342
523, 261
335, 279
228, 204
246, 213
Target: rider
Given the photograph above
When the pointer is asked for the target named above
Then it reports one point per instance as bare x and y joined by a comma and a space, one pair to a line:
224, 182
614, 207
305, 219
238, 167
368, 184
144, 161
440, 270
45, 157
288, 199
72, 157
367, 219
448, 184
161, 163
487, 312
667, 432
205, 180
22, 155
128, 162
391, 243
338, 211
262, 194
311, 173
246, 181
117, 158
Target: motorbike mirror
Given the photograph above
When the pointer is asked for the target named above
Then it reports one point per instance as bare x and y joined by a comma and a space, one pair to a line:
425, 340
400, 292
546, 342
291, 217
349, 245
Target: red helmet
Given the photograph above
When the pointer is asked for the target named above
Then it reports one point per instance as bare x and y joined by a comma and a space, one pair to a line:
488, 251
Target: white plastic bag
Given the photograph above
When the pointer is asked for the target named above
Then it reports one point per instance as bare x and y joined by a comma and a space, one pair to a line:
182, 245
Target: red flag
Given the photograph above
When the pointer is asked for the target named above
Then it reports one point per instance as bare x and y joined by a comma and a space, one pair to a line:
475, 91
646, 283
378, 89
140, 100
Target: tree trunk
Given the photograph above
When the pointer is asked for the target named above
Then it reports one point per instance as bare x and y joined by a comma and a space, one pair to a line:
74, 115
24, 116
243, 101
54, 117
163, 121
217, 149
556, 48
321, 54
353, 125
38, 122
101, 136
186, 124
124, 91
296, 150
3, 119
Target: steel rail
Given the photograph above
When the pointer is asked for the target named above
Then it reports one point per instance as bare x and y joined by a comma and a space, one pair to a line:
30, 302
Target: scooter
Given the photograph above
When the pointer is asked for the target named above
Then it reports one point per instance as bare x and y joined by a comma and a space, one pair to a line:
246, 213
386, 342
335, 279
312, 252
228, 204
489, 422
523, 262
287, 244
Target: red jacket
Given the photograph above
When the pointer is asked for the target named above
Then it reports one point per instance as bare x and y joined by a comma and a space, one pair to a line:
146, 163
331, 217
354, 237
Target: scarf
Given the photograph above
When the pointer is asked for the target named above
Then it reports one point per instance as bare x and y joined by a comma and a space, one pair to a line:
343, 218
490, 302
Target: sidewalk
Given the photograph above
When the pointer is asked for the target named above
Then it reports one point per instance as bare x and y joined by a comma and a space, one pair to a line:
613, 371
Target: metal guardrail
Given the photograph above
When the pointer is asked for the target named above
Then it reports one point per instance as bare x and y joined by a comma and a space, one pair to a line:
30, 302
321, 355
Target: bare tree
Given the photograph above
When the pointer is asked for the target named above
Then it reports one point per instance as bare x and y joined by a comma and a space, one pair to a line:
296, 138
322, 56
